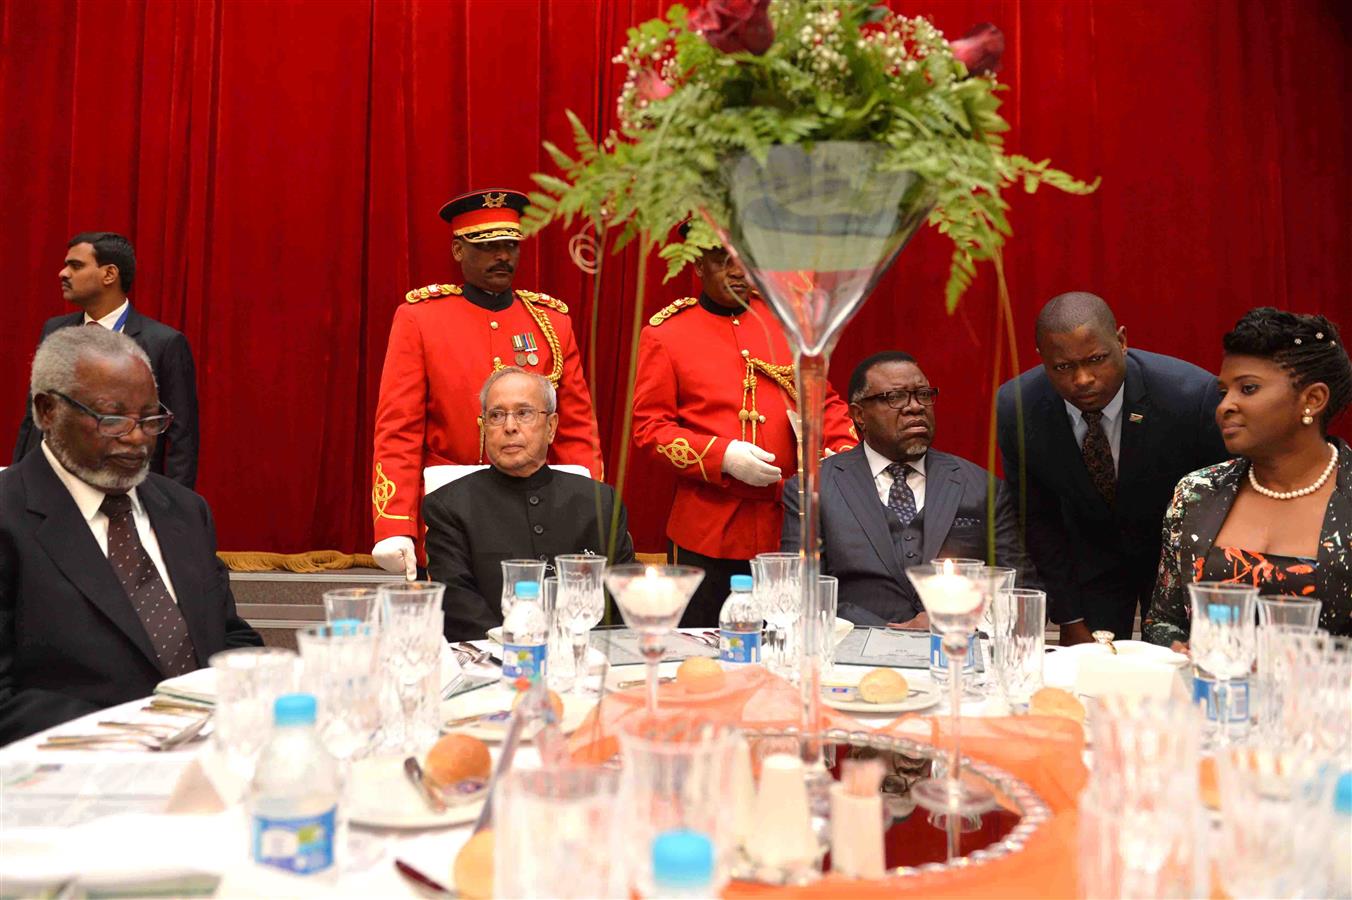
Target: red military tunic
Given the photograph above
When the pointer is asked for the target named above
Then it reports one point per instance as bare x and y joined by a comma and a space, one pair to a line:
442, 347
703, 380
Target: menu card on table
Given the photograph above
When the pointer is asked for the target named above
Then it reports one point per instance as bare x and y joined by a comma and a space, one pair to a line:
887, 647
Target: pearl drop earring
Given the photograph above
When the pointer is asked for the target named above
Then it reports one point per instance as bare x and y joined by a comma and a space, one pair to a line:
1307, 419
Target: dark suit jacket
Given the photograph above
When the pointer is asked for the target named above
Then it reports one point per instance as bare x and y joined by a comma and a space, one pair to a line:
1099, 561
857, 546
70, 641
476, 522
171, 360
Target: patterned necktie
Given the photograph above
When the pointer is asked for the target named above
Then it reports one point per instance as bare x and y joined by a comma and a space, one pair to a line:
900, 498
1098, 456
159, 614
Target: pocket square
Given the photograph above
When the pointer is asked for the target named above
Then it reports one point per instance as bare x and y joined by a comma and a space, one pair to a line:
965, 521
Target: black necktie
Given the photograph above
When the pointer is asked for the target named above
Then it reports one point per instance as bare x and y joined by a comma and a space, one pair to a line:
1098, 456
150, 598
900, 498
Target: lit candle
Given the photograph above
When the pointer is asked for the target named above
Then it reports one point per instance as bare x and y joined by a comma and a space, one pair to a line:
949, 594
652, 595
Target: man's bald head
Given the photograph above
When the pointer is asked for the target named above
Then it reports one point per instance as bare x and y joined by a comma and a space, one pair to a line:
1071, 311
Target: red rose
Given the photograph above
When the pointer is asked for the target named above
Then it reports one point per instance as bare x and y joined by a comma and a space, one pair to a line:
735, 25
651, 87
980, 49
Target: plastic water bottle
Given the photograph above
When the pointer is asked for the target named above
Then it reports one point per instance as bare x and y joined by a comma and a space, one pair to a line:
293, 801
683, 865
1204, 694
525, 636
938, 664
739, 626
1341, 862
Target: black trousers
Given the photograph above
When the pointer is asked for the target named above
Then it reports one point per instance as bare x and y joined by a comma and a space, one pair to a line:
713, 590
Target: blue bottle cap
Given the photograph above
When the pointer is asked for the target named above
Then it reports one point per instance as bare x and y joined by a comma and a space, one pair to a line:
683, 859
345, 626
294, 709
527, 590
742, 583
1342, 795
1220, 613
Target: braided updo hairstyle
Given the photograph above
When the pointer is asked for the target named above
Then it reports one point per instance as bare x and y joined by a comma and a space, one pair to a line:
1307, 346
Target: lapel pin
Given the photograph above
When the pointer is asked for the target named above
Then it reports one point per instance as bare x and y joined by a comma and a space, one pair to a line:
1136, 417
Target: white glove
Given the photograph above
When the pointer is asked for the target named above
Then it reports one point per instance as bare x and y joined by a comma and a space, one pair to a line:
396, 554
750, 464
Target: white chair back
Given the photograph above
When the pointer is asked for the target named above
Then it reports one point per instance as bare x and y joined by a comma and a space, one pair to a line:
439, 476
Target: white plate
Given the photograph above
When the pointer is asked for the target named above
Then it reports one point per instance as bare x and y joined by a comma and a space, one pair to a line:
493, 705
383, 797
921, 696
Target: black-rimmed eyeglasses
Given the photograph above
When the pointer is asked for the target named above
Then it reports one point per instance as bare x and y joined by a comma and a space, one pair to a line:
901, 397
121, 426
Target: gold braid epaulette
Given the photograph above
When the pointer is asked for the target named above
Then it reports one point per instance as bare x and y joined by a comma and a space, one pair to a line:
780, 375
418, 295
530, 299
672, 309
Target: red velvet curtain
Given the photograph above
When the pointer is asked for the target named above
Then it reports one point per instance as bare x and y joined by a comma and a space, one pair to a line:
278, 165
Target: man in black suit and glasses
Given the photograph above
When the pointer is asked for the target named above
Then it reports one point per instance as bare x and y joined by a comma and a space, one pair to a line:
97, 274
1106, 434
109, 580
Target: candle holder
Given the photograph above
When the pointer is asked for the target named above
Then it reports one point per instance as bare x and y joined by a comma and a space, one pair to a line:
651, 600
955, 603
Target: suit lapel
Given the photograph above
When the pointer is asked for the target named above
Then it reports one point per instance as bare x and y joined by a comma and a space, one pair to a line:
852, 474
943, 493
1135, 416
176, 539
132, 327
65, 536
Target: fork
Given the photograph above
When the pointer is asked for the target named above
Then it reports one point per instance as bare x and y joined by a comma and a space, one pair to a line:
142, 738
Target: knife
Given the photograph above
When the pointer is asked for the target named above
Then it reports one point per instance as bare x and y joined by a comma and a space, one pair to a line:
414, 772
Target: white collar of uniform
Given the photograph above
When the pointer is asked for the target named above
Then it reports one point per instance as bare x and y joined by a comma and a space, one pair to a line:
109, 320
87, 497
1110, 412
877, 462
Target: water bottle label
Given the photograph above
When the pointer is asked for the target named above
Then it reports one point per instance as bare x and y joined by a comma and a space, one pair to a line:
303, 846
939, 659
1204, 689
739, 646
523, 661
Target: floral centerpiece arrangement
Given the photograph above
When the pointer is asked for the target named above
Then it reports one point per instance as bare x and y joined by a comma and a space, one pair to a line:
742, 76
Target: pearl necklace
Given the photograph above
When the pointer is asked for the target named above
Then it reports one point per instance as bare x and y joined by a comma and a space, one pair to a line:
1291, 495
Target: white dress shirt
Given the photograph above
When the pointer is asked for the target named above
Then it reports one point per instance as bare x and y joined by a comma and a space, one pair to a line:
882, 479
89, 498
1112, 423
109, 321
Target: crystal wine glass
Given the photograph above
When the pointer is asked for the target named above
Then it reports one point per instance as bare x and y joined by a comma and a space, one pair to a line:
410, 638
514, 570
778, 592
652, 599
955, 604
579, 605
1223, 639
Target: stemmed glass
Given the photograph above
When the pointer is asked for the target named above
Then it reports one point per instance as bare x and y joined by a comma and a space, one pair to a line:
352, 605
410, 639
514, 570
579, 605
955, 604
778, 593
1222, 639
651, 600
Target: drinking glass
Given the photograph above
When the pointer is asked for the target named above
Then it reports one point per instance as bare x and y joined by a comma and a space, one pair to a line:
580, 605
410, 651
829, 586
651, 600
1277, 609
1141, 828
1314, 714
778, 592
514, 570
248, 682
1222, 639
1275, 802
955, 604
564, 835
998, 578
559, 656
342, 669
352, 604
938, 667
1018, 640
676, 773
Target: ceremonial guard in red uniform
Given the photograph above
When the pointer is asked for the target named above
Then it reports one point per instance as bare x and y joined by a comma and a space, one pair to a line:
444, 342
714, 390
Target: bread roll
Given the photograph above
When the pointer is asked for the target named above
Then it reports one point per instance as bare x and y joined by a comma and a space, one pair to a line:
473, 868
457, 757
1051, 701
700, 675
883, 686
